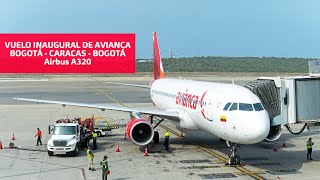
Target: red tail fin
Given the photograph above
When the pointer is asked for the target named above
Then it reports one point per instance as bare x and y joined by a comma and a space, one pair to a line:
157, 64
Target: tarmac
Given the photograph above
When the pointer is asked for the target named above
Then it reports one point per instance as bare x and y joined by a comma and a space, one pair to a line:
197, 155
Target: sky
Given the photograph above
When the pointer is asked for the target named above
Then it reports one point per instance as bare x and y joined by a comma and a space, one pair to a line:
273, 28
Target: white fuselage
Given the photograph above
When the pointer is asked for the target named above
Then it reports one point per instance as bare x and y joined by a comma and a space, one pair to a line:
204, 103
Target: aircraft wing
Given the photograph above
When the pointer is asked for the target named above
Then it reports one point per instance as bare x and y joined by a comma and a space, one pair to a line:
124, 84
169, 114
132, 85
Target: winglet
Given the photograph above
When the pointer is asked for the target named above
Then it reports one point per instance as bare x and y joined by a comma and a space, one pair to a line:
157, 63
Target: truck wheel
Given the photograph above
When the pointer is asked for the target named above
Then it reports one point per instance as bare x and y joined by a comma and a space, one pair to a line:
76, 151
156, 137
50, 153
99, 133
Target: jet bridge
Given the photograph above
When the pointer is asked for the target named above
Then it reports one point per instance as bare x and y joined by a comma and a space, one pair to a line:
290, 100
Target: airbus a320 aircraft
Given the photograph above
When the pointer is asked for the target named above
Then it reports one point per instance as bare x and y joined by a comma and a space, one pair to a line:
228, 111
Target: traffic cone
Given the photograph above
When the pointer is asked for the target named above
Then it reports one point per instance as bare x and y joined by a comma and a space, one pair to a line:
118, 149
125, 136
181, 134
1, 145
146, 152
284, 143
12, 138
275, 147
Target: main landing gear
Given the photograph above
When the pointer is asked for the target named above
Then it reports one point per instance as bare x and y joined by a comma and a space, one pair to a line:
234, 158
156, 133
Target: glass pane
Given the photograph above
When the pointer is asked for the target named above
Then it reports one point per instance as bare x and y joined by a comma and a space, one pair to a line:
234, 107
258, 106
226, 106
64, 130
245, 107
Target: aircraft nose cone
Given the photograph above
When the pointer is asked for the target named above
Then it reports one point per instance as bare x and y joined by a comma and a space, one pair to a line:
259, 128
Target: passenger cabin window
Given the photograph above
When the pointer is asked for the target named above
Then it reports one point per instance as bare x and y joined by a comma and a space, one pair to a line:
245, 107
234, 107
227, 106
258, 107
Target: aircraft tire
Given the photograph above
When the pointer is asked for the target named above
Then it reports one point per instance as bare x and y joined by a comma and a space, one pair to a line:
50, 153
76, 151
156, 137
237, 160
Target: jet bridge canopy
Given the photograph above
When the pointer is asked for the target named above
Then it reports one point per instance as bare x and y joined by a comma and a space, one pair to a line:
268, 93
289, 100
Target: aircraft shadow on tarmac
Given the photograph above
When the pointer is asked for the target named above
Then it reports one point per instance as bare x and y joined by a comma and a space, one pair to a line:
286, 160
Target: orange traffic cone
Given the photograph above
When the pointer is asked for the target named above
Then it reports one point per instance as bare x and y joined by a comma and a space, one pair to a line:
12, 138
181, 134
284, 143
118, 149
275, 147
146, 152
125, 136
1, 145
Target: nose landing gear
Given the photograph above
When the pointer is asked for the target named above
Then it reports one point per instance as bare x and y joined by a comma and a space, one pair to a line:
234, 158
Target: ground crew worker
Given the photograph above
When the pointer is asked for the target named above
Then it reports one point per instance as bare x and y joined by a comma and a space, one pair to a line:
309, 149
90, 159
166, 140
39, 134
95, 135
105, 168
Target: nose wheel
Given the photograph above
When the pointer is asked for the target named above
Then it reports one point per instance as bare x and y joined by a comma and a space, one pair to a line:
234, 158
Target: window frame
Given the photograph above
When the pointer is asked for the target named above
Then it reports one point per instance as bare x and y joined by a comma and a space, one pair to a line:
234, 109
260, 105
246, 104
227, 106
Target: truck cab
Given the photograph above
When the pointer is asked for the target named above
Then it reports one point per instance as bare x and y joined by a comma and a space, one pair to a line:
68, 135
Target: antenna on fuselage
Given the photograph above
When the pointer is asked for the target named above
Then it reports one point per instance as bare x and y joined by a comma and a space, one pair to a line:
232, 81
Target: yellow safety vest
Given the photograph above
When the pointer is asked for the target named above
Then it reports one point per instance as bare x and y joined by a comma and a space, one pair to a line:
89, 155
95, 135
167, 134
309, 144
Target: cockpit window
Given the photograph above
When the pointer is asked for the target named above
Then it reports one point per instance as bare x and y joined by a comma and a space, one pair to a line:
227, 106
234, 107
245, 107
258, 107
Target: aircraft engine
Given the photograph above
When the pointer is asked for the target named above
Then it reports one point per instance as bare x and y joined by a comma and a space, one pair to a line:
274, 133
139, 131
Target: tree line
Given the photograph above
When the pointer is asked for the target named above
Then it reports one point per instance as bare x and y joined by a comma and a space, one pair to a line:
229, 64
